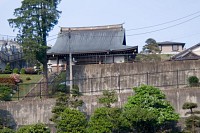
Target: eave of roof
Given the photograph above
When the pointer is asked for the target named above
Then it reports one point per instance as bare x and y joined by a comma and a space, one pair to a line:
170, 43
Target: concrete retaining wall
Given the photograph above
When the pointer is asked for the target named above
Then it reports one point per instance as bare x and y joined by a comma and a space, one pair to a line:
124, 76
35, 111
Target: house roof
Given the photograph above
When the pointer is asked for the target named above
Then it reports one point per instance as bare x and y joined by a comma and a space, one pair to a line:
170, 43
186, 52
90, 40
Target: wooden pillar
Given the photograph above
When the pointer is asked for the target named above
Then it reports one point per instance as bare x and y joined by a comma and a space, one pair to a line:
57, 64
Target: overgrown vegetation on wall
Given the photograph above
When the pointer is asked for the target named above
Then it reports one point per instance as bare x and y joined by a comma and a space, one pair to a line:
193, 81
146, 111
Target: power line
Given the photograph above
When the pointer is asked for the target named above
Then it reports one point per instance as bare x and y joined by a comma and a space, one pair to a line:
145, 27
65, 34
186, 36
142, 33
132, 29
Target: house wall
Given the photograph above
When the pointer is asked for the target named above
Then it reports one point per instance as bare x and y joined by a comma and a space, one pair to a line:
53, 65
196, 51
117, 59
13, 54
62, 64
167, 49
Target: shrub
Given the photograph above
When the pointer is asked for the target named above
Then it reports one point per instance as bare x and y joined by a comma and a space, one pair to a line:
61, 88
5, 93
35, 128
6, 130
16, 70
28, 78
30, 70
22, 71
193, 81
8, 69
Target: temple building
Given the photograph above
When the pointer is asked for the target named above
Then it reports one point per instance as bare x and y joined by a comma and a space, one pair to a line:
90, 45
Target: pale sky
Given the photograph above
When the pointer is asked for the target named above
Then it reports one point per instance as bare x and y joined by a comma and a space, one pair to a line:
133, 13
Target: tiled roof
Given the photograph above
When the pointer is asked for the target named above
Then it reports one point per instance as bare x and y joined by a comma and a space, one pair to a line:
170, 43
185, 52
90, 40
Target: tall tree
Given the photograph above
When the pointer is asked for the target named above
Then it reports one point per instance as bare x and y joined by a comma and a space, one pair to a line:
34, 20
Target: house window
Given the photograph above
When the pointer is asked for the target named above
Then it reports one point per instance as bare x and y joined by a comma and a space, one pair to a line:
174, 47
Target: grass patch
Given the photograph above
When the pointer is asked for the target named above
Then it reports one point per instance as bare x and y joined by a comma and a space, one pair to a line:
26, 86
34, 78
165, 56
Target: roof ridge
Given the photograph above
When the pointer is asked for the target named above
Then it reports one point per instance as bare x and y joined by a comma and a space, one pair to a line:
116, 26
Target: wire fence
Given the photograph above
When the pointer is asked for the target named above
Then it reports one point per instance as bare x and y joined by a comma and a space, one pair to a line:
95, 86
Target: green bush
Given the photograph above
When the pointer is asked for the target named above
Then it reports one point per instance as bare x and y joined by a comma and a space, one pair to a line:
35, 128
5, 93
22, 71
28, 78
63, 88
8, 69
16, 70
6, 130
193, 81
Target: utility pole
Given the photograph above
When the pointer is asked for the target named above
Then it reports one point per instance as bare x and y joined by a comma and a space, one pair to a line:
70, 61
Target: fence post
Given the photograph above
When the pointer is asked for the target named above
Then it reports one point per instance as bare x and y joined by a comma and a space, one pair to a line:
18, 91
147, 78
177, 79
40, 90
119, 82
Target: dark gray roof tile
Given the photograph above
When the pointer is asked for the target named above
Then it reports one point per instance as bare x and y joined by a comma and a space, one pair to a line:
90, 40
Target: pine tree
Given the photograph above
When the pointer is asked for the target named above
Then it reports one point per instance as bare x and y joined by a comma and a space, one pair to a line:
34, 19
